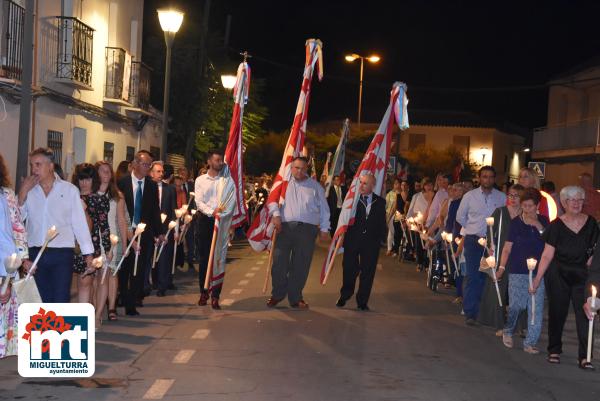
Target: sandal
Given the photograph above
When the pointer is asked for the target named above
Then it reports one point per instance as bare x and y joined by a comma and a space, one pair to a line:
112, 315
585, 365
553, 358
531, 350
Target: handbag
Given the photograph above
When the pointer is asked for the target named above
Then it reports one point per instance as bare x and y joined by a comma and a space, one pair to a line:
27, 291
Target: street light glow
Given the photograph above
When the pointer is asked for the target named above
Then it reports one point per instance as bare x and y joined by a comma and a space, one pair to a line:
526, 150
374, 59
170, 19
351, 57
228, 81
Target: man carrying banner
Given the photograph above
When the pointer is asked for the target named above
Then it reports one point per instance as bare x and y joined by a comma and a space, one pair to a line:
362, 243
297, 222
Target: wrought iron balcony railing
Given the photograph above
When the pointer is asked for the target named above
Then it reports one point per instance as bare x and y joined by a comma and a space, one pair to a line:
75, 45
117, 74
578, 135
11, 54
139, 88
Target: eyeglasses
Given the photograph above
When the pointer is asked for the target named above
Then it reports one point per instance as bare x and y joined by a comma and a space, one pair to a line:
575, 199
513, 196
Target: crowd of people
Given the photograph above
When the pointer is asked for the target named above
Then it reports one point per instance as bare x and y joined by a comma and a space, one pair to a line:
145, 220
496, 237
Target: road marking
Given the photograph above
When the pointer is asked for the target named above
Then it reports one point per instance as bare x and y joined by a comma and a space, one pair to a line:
243, 282
158, 389
255, 268
236, 291
200, 334
227, 302
250, 274
184, 356
260, 262
379, 266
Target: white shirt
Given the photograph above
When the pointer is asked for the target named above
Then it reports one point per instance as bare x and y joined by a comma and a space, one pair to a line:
338, 192
304, 202
368, 203
160, 185
205, 190
61, 208
417, 204
436, 203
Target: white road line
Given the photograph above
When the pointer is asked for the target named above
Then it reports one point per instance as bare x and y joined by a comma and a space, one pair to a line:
243, 282
255, 268
236, 291
260, 262
227, 302
200, 334
184, 356
158, 389
250, 274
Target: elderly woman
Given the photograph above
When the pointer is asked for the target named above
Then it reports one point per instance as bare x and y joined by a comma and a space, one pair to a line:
570, 240
524, 241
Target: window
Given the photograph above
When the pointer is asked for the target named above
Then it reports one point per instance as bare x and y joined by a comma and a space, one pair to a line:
130, 154
462, 143
415, 140
155, 151
55, 142
109, 151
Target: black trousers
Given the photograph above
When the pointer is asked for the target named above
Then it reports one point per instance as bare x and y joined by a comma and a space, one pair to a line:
360, 261
335, 216
419, 250
397, 236
205, 233
566, 286
131, 287
164, 267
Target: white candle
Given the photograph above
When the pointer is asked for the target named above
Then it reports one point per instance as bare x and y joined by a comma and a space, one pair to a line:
491, 261
193, 212
178, 213
482, 242
50, 235
163, 217
443, 235
593, 297
531, 264
591, 325
140, 228
489, 221
449, 238
171, 226
11, 264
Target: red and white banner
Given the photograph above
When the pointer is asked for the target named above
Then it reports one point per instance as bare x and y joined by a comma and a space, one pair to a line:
233, 152
374, 162
261, 231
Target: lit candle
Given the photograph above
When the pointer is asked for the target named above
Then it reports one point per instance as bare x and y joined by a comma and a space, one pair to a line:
11, 265
491, 262
140, 229
449, 238
193, 212
443, 235
482, 242
114, 240
457, 240
531, 264
171, 226
593, 297
163, 217
489, 221
97, 262
178, 213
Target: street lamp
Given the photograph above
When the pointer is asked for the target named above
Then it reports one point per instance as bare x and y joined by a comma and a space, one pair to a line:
228, 82
372, 59
170, 22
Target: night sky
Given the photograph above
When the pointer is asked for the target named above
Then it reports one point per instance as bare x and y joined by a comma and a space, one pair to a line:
430, 45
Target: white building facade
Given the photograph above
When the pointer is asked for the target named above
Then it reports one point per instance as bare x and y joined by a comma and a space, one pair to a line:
90, 88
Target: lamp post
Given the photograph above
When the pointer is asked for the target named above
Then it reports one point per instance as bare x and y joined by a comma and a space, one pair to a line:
228, 82
372, 59
170, 22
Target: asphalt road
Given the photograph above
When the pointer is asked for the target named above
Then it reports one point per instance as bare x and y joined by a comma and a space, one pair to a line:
413, 345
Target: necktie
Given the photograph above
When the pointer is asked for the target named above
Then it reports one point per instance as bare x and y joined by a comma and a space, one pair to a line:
137, 206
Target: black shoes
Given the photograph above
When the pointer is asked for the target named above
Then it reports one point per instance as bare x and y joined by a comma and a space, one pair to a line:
132, 312
340, 302
161, 293
363, 308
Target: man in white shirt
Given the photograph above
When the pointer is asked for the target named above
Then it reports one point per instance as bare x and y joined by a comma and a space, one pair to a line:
48, 201
302, 216
207, 203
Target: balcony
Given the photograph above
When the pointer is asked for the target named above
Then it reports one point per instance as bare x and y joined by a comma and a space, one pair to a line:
118, 76
139, 88
11, 55
74, 58
569, 140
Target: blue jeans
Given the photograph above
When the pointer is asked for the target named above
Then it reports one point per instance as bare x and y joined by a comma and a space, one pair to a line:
54, 273
474, 279
520, 299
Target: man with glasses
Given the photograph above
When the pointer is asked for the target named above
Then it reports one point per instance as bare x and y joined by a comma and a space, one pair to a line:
475, 207
142, 200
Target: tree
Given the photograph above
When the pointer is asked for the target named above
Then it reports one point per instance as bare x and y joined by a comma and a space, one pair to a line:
427, 161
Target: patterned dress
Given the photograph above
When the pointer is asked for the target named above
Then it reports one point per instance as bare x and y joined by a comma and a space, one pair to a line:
9, 307
97, 207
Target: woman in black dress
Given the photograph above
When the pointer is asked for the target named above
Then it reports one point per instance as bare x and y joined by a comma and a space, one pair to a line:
96, 208
570, 240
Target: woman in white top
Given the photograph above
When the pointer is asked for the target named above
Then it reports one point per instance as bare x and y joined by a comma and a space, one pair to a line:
117, 223
418, 207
